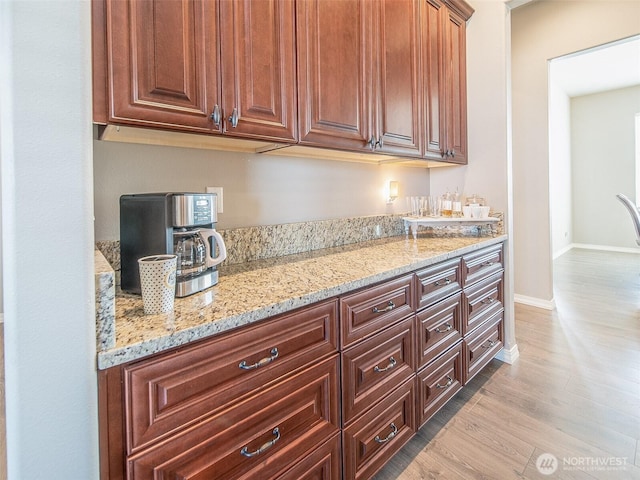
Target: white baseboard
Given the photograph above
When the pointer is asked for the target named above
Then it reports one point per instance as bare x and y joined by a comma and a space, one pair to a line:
562, 251
607, 248
508, 356
535, 302
589, 246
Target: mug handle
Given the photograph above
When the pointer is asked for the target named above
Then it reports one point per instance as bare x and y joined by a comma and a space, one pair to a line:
222, 249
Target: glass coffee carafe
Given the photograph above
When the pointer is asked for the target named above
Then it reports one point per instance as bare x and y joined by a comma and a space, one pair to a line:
193, 251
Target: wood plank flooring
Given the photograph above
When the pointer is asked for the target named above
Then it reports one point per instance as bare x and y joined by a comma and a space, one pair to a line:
574, 392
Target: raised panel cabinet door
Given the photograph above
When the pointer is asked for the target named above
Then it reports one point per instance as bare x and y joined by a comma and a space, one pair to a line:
334, 73
162, 63
433, 80
258, 69
397, 87
456, 88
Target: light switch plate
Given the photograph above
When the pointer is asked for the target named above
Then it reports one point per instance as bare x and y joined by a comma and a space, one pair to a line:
217, 191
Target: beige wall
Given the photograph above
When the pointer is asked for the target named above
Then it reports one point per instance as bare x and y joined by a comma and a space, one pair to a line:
541, 31
258, 189
603, 153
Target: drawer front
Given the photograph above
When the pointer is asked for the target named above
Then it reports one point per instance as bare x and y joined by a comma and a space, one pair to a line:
372, 440
365, 312
482, 345
439, 382
324, 463
174, 390
438, 282
375, 366
481, 264
439, 328
482, 301
261, 437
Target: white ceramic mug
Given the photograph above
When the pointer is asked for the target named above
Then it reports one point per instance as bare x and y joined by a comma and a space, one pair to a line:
158, 283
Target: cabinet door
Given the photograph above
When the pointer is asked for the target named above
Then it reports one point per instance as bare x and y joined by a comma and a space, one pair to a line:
334, 73
258, 68
456, 87
162, 63
397, 92
433, 77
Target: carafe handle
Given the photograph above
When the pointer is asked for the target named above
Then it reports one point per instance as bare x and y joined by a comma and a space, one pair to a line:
222, 249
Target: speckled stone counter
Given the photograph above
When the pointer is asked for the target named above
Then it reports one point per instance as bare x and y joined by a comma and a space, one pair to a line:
256, 290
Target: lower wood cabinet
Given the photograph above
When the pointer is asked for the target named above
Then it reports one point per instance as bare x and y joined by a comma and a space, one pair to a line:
373, 367
260, 437
326, 392
438, 382
376, 436
482, 345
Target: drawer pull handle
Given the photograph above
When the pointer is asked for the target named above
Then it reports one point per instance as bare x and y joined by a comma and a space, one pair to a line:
394, 432
392, 363
447, 385
390, 306
491, 344
487, 264
449, 327
245, 451
442, 283
261, 363
488, 301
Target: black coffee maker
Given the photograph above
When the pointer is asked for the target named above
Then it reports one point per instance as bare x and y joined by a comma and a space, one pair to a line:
175, 223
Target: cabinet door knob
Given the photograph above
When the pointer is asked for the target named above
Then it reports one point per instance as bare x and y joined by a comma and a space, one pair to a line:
448, 329
372, 143
233, 118
261, 363
215, 115
392, 363
394, 431
488, 344
390, 306
446, 385
245, 450
379, 143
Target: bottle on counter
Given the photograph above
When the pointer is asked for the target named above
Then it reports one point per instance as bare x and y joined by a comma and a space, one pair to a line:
446, 204
456, 205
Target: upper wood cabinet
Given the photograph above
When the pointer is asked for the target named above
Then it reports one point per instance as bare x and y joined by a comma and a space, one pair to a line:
444, 79
198, 65
358, 75
334, 73
386, 76
258, 68
397, 95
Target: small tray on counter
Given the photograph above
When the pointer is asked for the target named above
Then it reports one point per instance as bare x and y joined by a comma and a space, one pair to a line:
411, 223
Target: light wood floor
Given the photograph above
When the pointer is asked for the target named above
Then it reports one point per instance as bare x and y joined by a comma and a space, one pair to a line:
573, 393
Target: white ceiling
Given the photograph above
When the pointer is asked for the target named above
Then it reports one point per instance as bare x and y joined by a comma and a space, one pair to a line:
608, 67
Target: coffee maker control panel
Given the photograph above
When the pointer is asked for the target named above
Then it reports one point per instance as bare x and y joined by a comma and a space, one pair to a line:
193, 209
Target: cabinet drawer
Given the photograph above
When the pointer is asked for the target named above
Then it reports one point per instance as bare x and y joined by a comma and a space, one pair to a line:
324, 463
375, 366
482, 345
438, 382
365, 312
439, 328
174, 390
438, 281
481, 301
261, 437
481, 264
374, 438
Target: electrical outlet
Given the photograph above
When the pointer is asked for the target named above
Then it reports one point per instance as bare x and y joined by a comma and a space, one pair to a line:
218, 192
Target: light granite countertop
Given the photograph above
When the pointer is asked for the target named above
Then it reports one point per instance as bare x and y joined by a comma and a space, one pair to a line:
251, 292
